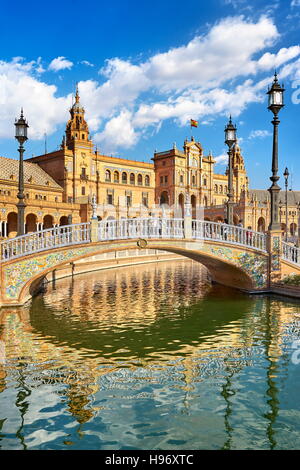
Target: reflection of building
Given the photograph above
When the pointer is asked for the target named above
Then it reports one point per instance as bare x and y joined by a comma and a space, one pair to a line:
59, 185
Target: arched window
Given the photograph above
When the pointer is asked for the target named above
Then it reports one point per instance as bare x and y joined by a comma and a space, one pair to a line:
132, 178
216, 188
83, 191
107, 175
147, 180
116, 177
124, 177
221, 189
140, 180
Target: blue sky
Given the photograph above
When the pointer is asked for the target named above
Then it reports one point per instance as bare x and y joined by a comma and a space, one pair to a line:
145, 68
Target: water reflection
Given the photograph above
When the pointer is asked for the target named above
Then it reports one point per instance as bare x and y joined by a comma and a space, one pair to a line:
148, 357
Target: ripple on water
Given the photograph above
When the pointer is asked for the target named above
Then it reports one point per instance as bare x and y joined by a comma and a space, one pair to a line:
149, 357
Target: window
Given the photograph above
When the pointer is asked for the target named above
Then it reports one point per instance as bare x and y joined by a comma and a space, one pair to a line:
110, 199
124, 177
140, 180
216, 188
205, 182
147, 180
145, 199
128, 201
83, 191
221, 189
181, 179
132, 178
194, 180
161, 180
107, 175
166, 179
82, 137
116, 177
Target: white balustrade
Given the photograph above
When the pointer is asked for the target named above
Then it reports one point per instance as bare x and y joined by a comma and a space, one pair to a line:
122, 229
205, 230
290, 253
44, 240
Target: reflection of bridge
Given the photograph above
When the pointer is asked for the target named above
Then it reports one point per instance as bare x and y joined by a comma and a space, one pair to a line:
235, 256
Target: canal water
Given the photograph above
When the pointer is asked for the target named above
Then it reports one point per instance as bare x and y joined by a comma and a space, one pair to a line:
150, 357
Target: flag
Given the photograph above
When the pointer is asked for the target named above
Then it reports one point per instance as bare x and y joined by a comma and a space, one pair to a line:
194, 123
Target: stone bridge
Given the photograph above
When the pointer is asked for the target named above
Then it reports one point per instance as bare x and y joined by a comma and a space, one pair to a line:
234, 256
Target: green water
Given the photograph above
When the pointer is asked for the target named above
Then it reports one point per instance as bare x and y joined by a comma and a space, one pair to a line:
149, 357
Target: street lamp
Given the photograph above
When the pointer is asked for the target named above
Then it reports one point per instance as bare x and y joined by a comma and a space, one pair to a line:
275, 104
230, 140
286, 178
21, 136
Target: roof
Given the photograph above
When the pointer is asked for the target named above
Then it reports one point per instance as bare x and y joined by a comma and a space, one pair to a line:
263, 195
32, 171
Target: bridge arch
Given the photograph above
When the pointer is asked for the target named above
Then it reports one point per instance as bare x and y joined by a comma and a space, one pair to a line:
221, 270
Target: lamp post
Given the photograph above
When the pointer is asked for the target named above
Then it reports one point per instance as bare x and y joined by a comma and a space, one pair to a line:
21, 136
230, 140
286, 178
275, 104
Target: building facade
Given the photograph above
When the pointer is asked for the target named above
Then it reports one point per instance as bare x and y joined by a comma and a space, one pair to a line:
60, 185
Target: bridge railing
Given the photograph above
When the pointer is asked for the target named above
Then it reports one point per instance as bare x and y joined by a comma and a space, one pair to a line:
140, 228
44, 240
204, 230
290, 253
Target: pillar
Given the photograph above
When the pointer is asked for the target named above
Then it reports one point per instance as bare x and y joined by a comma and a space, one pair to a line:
274, 248
94, 230
187, 217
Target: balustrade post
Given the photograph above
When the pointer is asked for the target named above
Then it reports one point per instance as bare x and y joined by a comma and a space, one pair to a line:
274, 249
94, 230
187, 218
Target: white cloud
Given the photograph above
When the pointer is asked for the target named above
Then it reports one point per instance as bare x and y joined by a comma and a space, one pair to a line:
295, 3
261, 134
203, 79
221, 159
19, 88
60, 63
118, 132
87, 63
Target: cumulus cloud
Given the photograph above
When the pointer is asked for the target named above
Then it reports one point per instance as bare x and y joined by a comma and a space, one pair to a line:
213, 74
19, 88
221, 159
60, 63
261, 134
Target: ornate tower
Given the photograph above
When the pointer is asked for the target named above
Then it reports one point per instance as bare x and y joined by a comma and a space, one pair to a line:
77, 130
239, 172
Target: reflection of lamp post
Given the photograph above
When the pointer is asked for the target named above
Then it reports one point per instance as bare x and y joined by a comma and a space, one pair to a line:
21, 136
230, 140
275, 104
298, 209
286, 178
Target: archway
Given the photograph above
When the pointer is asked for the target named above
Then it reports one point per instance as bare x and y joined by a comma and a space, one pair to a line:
48, 221
261, 225
63, 220
194, 204
164, 198
181, 203
12, 224
293, 229
235, 219
30, 223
